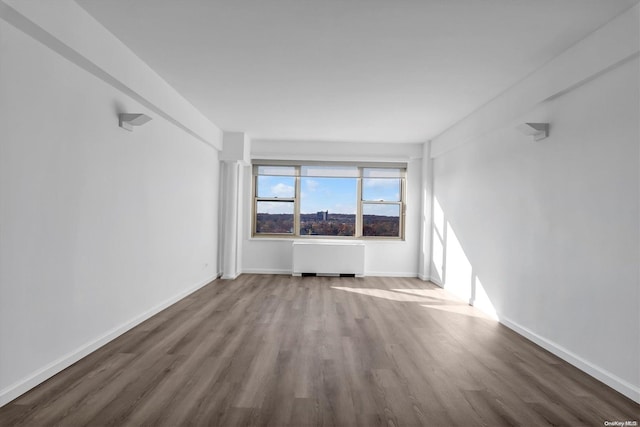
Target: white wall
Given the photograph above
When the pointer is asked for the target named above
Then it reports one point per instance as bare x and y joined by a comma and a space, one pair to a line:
99, 227
66, 28
550, 230
382, 258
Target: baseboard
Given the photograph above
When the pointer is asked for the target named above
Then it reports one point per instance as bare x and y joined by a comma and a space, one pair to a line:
386, 274
366, 274
265, 271
613, 381
436, 282
22, 386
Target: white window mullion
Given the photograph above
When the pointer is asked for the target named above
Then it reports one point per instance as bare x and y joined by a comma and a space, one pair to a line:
358, 231
296, 207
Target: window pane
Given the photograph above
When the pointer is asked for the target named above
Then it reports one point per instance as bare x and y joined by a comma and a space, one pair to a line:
277, 170
382, 173
330, 171
274, 217
283, 187
328, 206
381, 189
381, 219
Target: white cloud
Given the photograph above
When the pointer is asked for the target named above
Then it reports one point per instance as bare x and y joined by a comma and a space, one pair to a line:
282, 190
275, 207
311, 184
381, 183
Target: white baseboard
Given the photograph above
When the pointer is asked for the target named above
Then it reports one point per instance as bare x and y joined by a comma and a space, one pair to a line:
387, 274
265, 271
613, 381
436, 282
22, 386
366, 274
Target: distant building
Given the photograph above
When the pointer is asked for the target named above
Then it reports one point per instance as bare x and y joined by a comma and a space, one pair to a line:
322, 215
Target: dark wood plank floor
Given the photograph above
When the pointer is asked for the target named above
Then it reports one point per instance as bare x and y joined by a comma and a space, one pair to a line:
278, 350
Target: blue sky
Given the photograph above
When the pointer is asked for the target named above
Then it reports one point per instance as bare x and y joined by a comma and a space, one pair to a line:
337, 195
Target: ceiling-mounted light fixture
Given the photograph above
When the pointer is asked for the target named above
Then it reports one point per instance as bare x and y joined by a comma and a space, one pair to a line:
128, 120
536, 131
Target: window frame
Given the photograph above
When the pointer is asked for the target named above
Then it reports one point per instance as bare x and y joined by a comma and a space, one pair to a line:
254, 196
296, 200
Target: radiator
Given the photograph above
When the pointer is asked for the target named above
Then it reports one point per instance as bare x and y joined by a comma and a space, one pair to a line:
328, 258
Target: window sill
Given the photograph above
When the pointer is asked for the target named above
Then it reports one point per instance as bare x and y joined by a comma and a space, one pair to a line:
327, 239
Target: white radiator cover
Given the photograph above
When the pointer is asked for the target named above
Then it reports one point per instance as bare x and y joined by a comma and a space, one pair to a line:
328, 257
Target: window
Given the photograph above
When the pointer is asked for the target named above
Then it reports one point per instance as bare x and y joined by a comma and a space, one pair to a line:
275, 190
328, 200
381, 202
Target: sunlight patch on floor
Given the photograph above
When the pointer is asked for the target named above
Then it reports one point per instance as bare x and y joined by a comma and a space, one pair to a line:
436, 299
431, 293
385, 294
464, 309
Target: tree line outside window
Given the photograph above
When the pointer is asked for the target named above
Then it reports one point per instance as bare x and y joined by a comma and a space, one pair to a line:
329, 200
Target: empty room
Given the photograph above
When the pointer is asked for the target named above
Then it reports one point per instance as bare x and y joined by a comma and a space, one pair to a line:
320, 212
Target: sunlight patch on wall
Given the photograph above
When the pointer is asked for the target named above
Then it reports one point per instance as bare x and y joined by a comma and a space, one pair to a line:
459, 274
481, 300
453, 268
437, 250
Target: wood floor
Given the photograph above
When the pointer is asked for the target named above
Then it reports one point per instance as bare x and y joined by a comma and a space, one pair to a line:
278, 350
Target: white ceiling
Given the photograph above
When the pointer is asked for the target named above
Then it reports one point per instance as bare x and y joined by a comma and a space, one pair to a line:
347, 70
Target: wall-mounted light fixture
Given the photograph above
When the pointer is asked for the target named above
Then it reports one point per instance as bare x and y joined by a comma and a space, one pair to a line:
536, 131
128, 120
